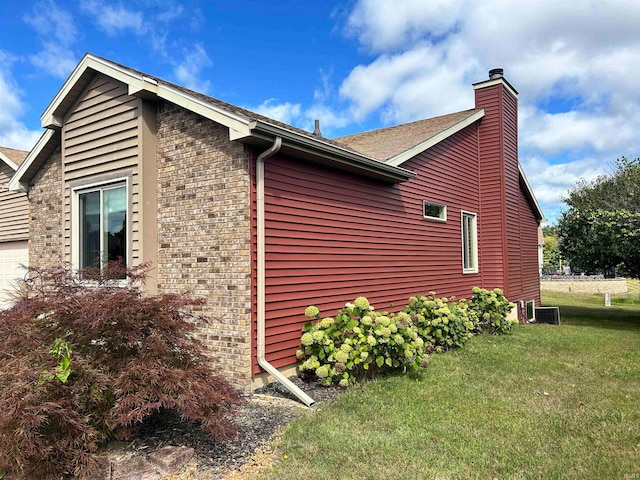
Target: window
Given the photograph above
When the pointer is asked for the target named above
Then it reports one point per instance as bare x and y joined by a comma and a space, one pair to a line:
435, 211
469, 243
102, 225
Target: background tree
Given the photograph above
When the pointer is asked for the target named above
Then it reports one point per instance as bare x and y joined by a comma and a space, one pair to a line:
601, 229
551, 251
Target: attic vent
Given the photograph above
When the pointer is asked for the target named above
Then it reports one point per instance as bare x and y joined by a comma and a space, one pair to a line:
548, 315
496, 73
434, 211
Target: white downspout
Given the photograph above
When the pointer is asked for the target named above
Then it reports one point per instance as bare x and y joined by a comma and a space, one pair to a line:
261, 317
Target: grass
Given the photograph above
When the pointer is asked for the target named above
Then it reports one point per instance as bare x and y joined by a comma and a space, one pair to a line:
552, 402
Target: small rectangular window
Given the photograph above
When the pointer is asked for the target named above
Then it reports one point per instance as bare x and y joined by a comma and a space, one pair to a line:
435, 211
469, 243
102, 219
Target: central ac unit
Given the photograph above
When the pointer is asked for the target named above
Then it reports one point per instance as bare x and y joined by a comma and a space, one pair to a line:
548, 315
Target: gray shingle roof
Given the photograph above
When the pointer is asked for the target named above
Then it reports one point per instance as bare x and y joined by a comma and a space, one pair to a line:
16, 156
385, 143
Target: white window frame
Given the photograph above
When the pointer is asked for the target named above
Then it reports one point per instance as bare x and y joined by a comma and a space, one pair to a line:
469, 242
78, 190
443, 211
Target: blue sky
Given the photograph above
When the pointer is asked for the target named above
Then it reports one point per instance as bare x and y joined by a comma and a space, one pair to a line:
356, 65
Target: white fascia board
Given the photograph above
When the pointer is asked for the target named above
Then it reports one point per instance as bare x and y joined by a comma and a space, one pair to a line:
135, 83
8, 161
16, 184
140, 83
146, 84
310, 145
530, 191
421, 147
238, 126
497, 81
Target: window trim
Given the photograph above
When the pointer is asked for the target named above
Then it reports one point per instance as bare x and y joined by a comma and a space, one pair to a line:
93, 186
473, 240
443, 208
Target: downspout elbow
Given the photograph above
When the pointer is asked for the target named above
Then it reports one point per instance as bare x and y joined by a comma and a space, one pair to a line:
261, 277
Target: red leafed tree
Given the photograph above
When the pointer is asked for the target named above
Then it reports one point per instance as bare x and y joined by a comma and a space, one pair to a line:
85, 358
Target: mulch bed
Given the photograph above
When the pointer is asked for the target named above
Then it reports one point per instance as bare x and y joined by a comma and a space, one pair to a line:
257, 421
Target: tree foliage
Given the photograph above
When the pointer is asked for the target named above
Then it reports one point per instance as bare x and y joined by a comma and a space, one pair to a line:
551, 250
80, 364
601, 228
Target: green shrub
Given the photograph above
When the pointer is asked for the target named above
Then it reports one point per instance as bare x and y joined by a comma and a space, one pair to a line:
79, 366
442, 323
492, 309
359, 342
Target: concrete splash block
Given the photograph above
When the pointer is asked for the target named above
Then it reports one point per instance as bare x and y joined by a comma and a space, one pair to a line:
169, 459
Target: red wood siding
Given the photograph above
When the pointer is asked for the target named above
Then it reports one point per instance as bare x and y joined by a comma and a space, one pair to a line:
512, 191
528, 255
332, 236
492, 177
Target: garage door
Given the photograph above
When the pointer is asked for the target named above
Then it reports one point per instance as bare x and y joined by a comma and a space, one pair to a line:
12, 254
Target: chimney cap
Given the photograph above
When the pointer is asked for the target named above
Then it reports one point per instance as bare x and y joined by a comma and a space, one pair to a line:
496, 73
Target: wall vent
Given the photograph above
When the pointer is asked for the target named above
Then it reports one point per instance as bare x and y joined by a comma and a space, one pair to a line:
549, 315
531, 311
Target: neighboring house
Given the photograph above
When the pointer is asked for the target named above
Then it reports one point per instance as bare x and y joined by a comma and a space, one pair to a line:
14, 225
263, 219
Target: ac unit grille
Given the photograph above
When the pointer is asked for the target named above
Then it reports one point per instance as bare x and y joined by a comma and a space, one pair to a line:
548, 315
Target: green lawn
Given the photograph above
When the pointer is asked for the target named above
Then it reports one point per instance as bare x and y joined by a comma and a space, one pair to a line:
545, 402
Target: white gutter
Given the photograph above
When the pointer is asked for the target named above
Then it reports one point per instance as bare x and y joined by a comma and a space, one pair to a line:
261, 274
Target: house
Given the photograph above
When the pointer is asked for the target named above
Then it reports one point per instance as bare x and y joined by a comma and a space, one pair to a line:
14, 225
263, 219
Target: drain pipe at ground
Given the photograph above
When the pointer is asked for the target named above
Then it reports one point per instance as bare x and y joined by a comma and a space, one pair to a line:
261, 274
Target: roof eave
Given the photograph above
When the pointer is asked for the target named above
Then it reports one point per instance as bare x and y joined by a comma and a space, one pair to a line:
334, 154
430, 142
8, 161
33, 161
530, 195
240, 127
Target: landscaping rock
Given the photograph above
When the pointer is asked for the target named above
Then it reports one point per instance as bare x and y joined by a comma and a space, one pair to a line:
169, 459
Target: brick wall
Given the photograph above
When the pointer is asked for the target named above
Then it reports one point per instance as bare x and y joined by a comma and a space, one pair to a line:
45, 214
203, 231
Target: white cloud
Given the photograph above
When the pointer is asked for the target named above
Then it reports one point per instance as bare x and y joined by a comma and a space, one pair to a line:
189, 71
55, 59
13, 133
57, 31
115, 19
575, 64
49, 20
284, 112
330, 120
389, 25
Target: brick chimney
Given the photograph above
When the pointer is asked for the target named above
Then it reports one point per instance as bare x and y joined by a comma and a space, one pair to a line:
499, 176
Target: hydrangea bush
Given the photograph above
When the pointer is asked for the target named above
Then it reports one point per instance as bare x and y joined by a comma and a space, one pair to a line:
359, 342
492, 309
442, 323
